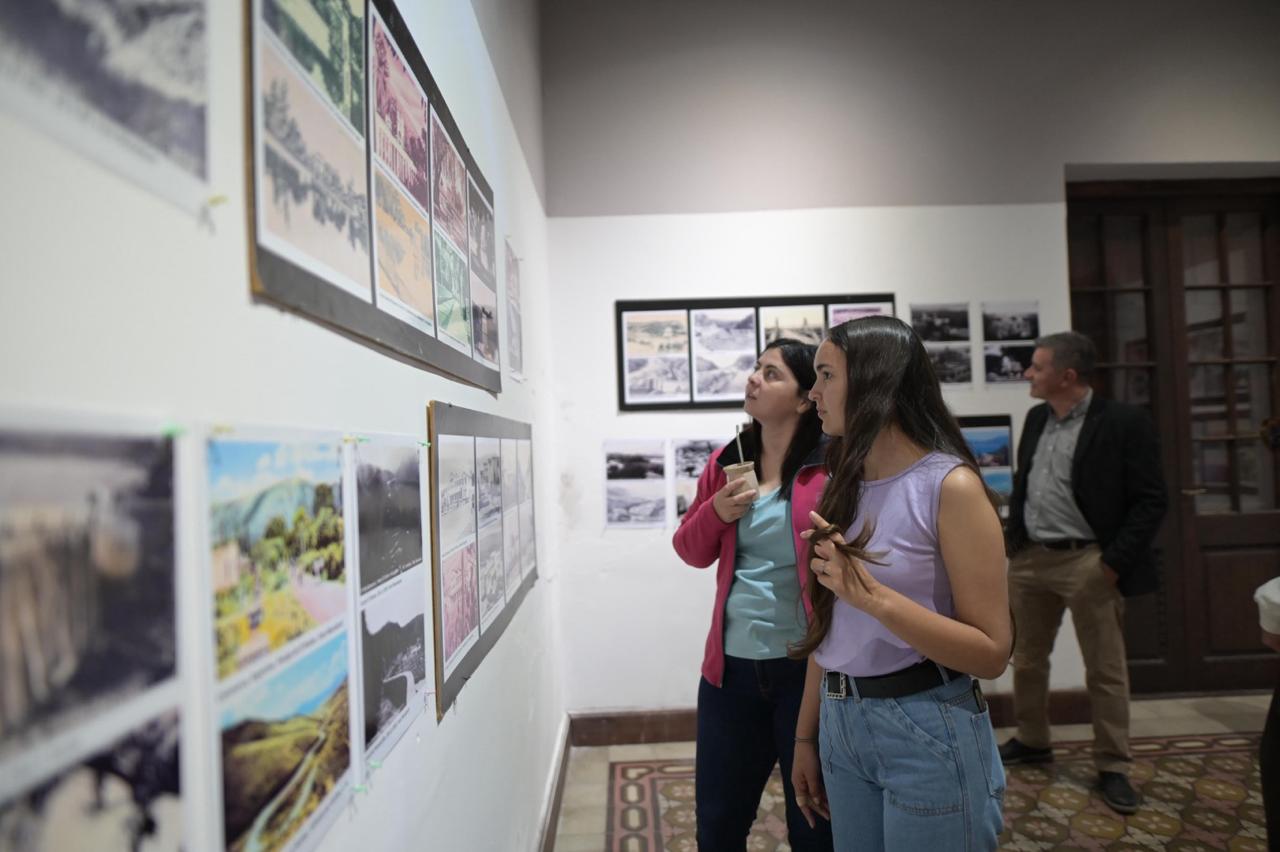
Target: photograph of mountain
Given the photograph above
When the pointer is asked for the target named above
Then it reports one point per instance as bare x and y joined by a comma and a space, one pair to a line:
310, 178
125, 797
453, 295
448, 187
87, 572
401, 116
285, 748
393, 652
456, 496
515, 327
459, 604
724, 353
483, 243
389, 510
326, 39
276, 550
489, 568
402, 244
990, 444
124, 81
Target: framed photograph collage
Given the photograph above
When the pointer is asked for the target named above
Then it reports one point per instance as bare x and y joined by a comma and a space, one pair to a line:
484, 549
368, 212
698, 353
310, 586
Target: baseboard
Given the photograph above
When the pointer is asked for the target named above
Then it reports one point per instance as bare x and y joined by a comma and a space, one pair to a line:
551, 817
633, 726
1066, 707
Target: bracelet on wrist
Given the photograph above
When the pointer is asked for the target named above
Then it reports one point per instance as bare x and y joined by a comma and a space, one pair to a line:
806, 739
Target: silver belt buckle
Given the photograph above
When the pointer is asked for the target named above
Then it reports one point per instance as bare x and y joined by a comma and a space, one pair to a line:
840, 678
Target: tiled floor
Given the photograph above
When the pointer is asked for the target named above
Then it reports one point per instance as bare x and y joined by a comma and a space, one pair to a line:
583, 809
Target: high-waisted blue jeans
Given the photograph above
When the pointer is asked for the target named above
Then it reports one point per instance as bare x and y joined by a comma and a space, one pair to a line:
918, 772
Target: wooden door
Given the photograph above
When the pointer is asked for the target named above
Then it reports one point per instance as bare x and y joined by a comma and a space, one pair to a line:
1177, 283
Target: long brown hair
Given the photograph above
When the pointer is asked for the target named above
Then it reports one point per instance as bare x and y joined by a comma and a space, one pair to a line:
891, 381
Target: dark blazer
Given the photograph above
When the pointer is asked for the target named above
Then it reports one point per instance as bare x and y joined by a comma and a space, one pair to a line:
1118, 484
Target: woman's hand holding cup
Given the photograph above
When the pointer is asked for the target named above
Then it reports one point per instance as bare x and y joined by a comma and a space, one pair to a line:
732, 501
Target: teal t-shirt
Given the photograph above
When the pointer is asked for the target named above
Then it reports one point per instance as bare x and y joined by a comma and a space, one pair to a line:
764, 614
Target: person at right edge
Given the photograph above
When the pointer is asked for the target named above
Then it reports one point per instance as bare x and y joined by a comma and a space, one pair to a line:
1088, 498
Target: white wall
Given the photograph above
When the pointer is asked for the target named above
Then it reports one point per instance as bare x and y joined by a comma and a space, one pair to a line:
113, 301
636, 617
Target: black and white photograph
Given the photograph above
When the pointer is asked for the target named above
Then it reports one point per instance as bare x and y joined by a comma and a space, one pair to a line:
952, 362
393, 650
942, 323
524, 491
1010, 321
511, 555
389, 513
721, 376
456, 499
657, 379
725, 329
724, 352
124, 82
635, 480
1007, 362
838, 314
87, 574
488, 480
690, 458
515, 324
482, 242
489, 566
656, 348
124, 797
805, 323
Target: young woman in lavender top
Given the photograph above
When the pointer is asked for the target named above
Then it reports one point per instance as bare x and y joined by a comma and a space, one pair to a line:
750, 690
893, 738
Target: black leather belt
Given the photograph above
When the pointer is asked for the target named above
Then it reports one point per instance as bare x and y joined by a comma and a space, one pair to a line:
923, 675
1067, 544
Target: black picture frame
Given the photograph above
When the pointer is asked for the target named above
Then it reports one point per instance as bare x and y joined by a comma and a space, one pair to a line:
279, 281
688, 306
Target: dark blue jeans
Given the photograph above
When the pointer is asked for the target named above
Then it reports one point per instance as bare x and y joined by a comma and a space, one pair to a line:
744, 728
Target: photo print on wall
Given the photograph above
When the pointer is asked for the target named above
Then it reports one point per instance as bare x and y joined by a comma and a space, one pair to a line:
635, 483
944, 329
656, 349
691, 457
724, 353
456, 509
1009, 331
805, 323
510, 518
844, 312
990, 437
128, 88
524, 485
490, 572
515, 321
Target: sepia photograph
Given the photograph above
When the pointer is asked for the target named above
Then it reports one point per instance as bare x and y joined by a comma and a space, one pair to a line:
402, 245
311, 178
991, 445
637, 459
453, 295
124, 83
805, 323
515, 321
87, 574
657, 379
1008, 362
941, 323
841, 313
952, 362
1010, 321
276, 547
286, 747
491, 574
488, 480
125, 797
448, 187
455, 499
393, 652
389, 510
511, 554
484, 321
459, 604
401, 117
635, 503
483, 243
663, 333
326, 39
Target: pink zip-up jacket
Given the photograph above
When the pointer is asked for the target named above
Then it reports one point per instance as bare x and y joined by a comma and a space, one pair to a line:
702, 537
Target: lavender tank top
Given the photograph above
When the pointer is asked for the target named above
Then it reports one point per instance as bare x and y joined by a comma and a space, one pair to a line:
904, 509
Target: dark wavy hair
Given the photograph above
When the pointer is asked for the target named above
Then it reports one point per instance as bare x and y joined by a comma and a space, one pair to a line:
891, 381
799, 360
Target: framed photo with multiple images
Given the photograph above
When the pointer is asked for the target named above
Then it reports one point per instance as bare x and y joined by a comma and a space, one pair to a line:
990, 437
697, 353
368, 212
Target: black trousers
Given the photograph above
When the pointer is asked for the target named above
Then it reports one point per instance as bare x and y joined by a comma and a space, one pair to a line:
745, 727
1270, 765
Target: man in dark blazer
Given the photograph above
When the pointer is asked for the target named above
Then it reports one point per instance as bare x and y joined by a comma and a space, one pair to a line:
1088, 498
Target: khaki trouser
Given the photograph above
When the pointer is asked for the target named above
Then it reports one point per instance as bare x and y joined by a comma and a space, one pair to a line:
1042, 583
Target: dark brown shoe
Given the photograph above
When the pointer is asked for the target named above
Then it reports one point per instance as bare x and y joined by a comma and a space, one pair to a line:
1014, 752
1118, 793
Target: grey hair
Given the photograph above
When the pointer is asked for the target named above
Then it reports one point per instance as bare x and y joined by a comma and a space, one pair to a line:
1071, 351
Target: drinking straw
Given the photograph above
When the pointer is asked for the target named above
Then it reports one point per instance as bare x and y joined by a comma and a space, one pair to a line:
738, 438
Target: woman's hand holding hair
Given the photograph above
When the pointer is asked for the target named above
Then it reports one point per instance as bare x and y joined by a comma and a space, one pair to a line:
836, 567
732, 501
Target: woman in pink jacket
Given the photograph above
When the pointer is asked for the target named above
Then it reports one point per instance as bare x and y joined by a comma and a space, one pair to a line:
749, 695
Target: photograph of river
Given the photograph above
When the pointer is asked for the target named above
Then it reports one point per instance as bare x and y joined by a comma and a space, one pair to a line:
285, 749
